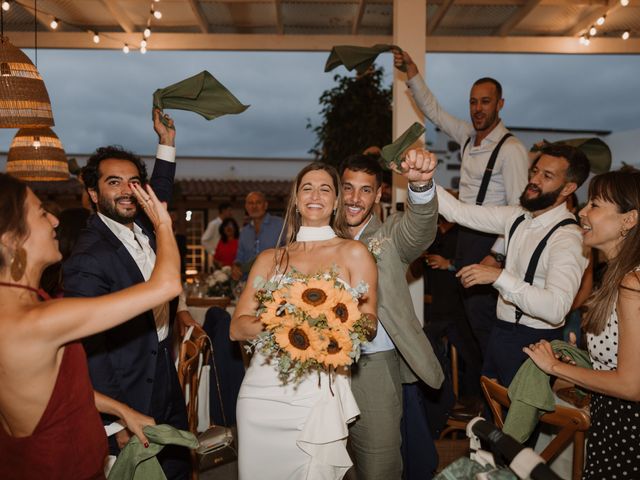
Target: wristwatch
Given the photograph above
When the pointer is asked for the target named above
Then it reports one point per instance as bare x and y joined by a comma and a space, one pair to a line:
421, 188
500, 258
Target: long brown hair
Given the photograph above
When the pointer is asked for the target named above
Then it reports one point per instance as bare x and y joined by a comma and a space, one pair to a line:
622, 188
293, 220
13, 195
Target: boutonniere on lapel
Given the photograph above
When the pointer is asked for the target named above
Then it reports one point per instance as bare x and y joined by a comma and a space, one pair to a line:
375, 247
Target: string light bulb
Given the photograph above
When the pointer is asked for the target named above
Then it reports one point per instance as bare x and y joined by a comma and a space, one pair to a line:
125, 49
6, 6
96, 38
601, 20
143, 50
147, 32
593, 31
36, 142
582, 40
143, 44
626, 35
624, 3
54, 23
156, 13
587, 41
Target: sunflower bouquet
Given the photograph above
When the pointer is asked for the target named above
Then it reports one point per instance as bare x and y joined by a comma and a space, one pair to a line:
312, 322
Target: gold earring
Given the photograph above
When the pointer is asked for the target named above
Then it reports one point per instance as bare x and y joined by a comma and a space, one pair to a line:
18, 264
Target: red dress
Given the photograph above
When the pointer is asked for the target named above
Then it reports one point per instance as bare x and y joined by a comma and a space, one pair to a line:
226, 252
69, 441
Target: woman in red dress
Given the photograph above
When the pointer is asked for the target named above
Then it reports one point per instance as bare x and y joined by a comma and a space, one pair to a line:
227, 247
49, 422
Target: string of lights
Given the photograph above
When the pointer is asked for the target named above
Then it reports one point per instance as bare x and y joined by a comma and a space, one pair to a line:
154, 15
592, 31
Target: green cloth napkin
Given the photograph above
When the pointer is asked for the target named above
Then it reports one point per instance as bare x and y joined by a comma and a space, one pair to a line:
596, 151
531, 395
392, 153
138, 463
360, 58
202, 94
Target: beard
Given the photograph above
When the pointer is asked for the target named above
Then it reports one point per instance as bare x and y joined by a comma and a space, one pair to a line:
487, 122
109, 209
542, 201
365, 216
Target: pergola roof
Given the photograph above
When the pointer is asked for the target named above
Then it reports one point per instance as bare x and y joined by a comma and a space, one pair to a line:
534, 26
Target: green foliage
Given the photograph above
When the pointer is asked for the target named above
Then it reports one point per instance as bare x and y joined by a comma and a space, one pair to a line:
356, 115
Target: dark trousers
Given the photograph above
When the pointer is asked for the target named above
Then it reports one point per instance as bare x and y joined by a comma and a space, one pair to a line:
229, 365
419, 454
167, 406
504, 353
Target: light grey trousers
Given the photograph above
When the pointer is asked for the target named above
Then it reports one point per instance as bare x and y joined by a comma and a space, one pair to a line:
375, 436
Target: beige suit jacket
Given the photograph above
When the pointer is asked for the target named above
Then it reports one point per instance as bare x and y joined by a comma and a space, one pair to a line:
397, 242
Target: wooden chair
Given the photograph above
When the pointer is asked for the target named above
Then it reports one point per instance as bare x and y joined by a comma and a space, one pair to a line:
573, 424
194, 352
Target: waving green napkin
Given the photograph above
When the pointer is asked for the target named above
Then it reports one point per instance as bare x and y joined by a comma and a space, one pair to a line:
597, 152
392, 153
360, 58
202, 94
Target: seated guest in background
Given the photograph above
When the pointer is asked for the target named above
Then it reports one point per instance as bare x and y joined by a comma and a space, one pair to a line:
133, 362
610, 225
532, 304
211, 235
260, 234
227, 247
49, 425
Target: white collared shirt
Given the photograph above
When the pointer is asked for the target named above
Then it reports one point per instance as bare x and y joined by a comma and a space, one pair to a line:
137, 244
559, 271
382, 341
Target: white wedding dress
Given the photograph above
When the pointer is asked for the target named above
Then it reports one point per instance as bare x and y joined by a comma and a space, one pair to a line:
295, 431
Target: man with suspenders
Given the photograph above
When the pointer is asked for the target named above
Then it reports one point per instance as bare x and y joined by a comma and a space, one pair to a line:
493, 172
544, 261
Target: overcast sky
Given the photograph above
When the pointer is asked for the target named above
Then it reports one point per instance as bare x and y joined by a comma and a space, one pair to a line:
104, 97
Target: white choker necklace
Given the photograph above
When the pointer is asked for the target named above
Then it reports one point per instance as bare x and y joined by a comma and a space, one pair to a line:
315, 234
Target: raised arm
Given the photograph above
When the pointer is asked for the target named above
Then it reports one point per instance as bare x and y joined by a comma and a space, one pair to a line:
624, 381
245, 325
426, 101
65, 320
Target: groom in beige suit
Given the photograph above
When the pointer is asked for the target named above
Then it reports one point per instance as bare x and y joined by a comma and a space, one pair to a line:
400, 353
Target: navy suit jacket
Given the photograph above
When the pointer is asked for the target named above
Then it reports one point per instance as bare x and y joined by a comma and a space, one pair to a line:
122, 360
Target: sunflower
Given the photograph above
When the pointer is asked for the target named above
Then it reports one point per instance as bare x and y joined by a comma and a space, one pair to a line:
338, 349
313, 297
274, 312
344, 311
298, 340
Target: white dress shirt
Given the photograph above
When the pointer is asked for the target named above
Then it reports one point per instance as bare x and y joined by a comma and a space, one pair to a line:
510, 173
382, 341
558, 275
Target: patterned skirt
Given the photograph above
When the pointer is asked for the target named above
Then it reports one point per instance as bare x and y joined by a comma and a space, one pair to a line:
613, 446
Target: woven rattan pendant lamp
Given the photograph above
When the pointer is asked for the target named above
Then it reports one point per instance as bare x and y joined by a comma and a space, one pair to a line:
24, 101
37, 155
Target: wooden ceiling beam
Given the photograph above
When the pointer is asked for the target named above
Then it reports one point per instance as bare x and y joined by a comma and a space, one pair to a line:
357, 19
279, 22
119, 15
434, 22
586, 21
324, 43
201, 19
514, 20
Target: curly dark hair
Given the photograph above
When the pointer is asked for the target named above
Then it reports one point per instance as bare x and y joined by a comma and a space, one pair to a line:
13, 195
91, 171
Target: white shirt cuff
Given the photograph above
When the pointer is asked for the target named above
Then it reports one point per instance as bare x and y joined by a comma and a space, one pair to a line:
113, 428
420, 198
506, 283
166, 153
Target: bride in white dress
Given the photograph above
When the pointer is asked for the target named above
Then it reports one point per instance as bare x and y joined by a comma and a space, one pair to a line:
299, 430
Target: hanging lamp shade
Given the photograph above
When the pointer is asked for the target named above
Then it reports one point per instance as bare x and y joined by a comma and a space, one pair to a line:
24, 101
36, 155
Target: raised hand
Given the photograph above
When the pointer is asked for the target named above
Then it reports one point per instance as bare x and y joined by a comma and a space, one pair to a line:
402, 58
166, 129
154, 208
418, 166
